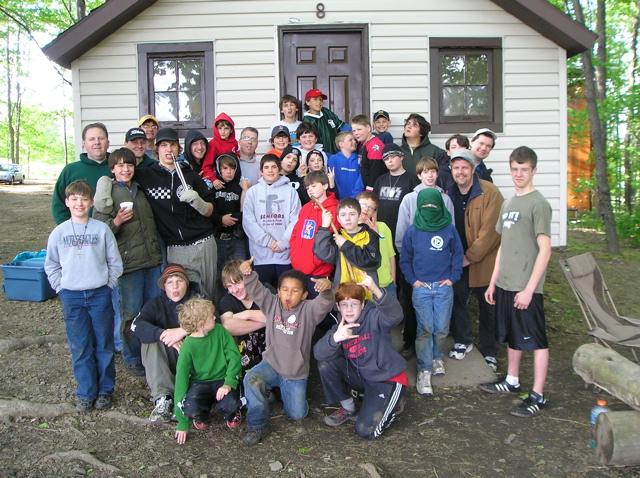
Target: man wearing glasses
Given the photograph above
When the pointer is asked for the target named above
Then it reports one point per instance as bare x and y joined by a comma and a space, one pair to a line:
149, 124
249, 164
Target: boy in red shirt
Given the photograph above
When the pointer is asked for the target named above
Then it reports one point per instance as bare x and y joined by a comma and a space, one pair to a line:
370, 151
224, 141
304, 232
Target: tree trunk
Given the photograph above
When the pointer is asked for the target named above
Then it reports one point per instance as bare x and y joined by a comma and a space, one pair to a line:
610, 371
629, 192
598, 139
618, 438
9, 100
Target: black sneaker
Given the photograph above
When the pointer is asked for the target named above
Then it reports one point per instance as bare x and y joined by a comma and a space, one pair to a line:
135, 369
103, 402
500, 386
83, 405
534, 404
252, 437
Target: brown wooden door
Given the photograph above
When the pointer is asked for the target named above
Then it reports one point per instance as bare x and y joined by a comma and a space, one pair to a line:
333, 62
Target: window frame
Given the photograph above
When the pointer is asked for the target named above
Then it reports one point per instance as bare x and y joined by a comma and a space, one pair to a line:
147, 52
438, 46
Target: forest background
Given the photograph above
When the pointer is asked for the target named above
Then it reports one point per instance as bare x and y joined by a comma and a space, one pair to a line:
36, 132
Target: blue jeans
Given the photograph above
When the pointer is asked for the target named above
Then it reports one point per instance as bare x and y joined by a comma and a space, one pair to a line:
115, 303
392, 289
88, 320
136, 288
433, 311
261, 378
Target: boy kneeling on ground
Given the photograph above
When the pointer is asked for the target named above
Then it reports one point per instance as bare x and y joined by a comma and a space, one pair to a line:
207, 371
365, 362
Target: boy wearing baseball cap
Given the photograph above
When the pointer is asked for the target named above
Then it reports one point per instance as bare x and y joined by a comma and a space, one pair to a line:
327, 122
381, 123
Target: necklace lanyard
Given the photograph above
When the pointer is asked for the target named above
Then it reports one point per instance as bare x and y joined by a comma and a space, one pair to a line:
80, 239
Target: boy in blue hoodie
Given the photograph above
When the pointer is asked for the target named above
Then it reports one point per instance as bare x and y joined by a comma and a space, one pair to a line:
358, 354
345, 166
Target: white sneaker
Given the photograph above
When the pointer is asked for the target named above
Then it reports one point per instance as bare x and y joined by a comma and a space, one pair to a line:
438, 367
492, 363
423, 383
459, 351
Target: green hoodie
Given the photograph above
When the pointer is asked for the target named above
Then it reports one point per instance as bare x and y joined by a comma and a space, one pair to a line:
86, 169
424, 150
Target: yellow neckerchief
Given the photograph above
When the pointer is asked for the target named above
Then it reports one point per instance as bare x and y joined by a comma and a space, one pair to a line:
360, 239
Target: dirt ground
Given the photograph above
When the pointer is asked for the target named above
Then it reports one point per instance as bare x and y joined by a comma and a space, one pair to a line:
460, 432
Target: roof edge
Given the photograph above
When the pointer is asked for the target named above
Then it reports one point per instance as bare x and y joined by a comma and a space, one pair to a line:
92, 29
551, 23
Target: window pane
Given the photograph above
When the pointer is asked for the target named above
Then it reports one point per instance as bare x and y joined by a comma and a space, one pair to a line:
166, 106
477, 69
453, 101
164, 75
478, 100
190, 106
452, 70
189, 74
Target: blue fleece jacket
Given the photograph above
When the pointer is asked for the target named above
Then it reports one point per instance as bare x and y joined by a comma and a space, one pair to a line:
348, 177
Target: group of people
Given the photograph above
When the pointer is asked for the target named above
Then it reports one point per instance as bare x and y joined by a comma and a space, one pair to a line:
337, 229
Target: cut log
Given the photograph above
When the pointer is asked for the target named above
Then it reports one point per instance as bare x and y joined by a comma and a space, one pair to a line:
618, 438
610, 371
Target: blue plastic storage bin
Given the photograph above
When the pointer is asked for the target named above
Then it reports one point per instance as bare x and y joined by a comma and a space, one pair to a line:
26, 280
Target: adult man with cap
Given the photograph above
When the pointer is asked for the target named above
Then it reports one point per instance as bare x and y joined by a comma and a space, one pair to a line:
158, 328
136, 140
476, 204
182, 214
150, 125
482, 144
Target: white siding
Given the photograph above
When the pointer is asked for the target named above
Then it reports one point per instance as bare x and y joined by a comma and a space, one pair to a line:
246, 60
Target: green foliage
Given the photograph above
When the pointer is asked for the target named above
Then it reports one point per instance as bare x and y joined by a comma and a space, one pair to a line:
628, 224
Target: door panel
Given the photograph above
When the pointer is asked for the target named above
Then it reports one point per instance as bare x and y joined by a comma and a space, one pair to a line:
331, 62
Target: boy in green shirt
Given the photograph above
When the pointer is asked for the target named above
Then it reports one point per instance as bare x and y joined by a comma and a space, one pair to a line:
207, 371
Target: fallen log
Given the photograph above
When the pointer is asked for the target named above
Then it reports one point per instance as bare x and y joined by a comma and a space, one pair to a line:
82, 455
8, 345
610, 371
24, 408
618, 438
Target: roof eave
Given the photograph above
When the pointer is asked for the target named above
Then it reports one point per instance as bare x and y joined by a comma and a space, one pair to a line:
92, 29
552, 23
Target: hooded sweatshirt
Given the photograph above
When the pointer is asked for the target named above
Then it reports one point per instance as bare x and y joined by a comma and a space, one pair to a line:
424, 150
191, 137
227, 200
270, 212
304, 235
218, 146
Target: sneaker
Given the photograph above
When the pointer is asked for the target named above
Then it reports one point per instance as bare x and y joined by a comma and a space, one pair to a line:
408, 352
252, 437
163, 410
198, 425
492, 363
103, 402
83, 405
340, 416
135, 369
234, 422
423, 384
438, 367
459, 351
500, 386
534, 404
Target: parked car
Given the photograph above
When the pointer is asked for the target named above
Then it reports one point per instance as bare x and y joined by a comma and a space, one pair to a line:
11, 173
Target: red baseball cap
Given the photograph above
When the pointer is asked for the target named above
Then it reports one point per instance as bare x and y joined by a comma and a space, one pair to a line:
314, 93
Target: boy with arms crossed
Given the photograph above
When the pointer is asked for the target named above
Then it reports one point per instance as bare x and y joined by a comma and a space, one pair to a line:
358, 354
75, 247
517, 282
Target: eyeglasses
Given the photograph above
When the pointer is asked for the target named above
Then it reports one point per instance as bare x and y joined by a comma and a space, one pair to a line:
149, 126
249, 138
349, 305
411, 123
366, 207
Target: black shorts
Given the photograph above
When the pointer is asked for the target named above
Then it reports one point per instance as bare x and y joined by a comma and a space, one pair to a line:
521, 329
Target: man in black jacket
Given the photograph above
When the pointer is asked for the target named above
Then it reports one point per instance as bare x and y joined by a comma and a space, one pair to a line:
482, 144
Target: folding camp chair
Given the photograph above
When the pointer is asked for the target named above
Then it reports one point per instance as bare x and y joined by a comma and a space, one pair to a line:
605, 325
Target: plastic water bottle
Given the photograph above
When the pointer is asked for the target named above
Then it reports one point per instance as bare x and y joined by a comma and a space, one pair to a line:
601, 407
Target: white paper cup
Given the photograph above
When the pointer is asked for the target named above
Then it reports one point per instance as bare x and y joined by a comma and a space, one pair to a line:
126, 204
